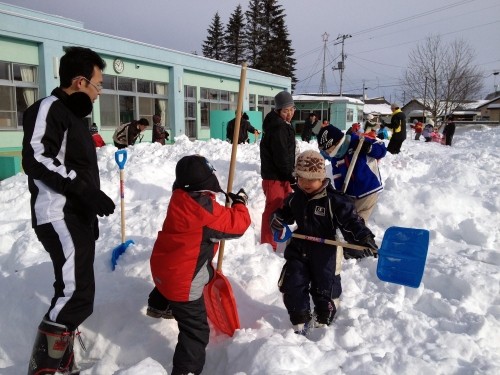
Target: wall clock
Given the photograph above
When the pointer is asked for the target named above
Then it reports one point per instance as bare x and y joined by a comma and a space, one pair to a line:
118, 65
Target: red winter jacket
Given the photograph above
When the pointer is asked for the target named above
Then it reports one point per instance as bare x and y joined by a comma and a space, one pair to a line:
181, 262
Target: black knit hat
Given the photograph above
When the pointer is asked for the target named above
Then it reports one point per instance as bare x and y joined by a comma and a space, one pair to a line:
283, 99
195, 173
329, 136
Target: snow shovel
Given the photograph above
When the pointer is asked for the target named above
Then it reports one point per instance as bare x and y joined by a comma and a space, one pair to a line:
121, 158
218, 294
401, 256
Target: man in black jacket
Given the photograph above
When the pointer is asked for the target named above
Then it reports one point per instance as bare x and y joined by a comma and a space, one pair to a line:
398, 127
277, 155
59, 158
449, 131
245, 129
309, 125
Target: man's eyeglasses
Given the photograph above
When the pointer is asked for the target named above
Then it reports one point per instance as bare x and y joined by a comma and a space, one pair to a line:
98, 87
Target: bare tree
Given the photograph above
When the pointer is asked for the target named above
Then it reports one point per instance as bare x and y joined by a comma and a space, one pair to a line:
443, 75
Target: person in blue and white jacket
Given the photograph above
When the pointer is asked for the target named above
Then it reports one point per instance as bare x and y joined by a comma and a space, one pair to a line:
365, 181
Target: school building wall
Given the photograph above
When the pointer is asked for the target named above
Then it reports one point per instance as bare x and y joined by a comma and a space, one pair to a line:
37, 39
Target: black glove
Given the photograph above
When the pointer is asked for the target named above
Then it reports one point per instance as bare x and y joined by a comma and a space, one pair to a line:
277, 223
365, 149
240, 197
101, 204
94, 200
370, 251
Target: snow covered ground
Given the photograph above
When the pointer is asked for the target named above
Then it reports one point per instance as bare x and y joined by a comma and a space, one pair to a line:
449, 325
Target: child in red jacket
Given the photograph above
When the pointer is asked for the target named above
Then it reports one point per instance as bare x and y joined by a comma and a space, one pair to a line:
181, 262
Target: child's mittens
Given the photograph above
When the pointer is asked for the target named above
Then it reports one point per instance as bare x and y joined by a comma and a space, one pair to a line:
277, 223
240, 197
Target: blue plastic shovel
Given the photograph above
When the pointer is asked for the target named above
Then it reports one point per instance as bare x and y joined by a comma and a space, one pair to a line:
121, 159
401, 256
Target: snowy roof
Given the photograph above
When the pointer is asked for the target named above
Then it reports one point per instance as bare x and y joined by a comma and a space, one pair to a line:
382, 109
472, 105
315, 98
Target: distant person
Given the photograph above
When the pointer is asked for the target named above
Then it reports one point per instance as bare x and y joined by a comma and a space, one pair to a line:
418, 127
159, 134
96, 137
312, 269
181, 261
59, 158
245, 129
309, 125
398, 127
382, 132
436, 136
428, 129
369, 123
365, 182
355, 128
127, 134
277, 156
449, 131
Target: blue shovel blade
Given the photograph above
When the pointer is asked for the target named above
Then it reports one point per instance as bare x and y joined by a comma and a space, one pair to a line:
402, 255
117, 251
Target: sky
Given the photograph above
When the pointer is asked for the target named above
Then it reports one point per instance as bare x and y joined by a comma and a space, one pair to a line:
449, 325
382, 32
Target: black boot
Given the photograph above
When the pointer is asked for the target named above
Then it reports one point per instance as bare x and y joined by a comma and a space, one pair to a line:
68, 364
51, 343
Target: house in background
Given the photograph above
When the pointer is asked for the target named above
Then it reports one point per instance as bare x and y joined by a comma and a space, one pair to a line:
490, 110
379, 108
341, 111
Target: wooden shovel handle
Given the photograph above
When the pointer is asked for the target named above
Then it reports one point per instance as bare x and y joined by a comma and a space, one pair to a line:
332, 242
353, 163
232, 165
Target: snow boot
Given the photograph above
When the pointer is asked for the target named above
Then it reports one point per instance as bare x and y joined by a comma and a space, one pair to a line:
68, 364
303, 328
51, 344
155, 313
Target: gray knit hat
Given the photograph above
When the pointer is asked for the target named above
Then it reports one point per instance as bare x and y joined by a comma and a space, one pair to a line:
311, 165
283, 99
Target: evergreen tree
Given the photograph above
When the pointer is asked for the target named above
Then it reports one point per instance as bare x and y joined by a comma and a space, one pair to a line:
274, 52
234, 38
253, 32
213, 46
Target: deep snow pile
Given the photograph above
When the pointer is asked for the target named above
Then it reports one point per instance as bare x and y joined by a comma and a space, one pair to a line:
449, 325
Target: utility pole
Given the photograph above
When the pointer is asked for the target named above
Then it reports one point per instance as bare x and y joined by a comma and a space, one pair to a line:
322, 85
425, 98
341, 63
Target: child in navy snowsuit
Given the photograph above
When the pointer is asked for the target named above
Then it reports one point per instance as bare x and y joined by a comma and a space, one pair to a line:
313, 268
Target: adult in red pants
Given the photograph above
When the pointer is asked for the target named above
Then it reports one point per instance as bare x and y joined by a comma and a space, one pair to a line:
277, 156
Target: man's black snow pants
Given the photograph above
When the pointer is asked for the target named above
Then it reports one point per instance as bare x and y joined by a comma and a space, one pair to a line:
71, 245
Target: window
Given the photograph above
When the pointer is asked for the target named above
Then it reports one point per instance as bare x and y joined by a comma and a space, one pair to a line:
265, 104
125, 99
251, 102
18, 90
213, 100
360, 116
190, 111
349, 115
